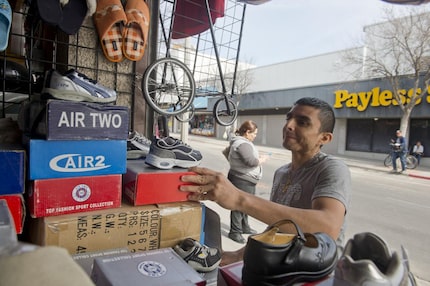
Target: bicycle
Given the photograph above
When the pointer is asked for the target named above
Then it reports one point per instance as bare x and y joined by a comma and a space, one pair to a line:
411, 161
168, 84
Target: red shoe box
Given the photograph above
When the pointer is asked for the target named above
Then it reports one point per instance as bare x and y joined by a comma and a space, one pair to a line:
144, 185
51, 197
231, 275
15, 204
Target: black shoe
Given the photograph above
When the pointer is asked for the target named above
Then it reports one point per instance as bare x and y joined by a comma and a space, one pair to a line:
250, 231
273, 258
237, 237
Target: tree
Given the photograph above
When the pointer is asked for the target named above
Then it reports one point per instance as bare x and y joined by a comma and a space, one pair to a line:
395, 50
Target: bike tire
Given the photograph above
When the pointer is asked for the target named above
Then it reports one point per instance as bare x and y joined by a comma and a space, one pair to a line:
168, 86
411, 162
187, 115
225, 116
388, 162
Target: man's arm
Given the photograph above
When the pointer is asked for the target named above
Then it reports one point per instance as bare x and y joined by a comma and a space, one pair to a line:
326, 215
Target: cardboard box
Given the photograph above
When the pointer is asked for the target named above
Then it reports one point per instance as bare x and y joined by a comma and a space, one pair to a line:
12, 169
65, 159
231, 275
145, 185
69, 120
139, 228
15, 204
86, 260
157, 267
51, 197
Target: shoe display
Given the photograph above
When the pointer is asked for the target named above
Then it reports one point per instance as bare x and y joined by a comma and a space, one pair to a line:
137, 145
237, 237
367, 260
201, 257
167, 152
75, 86
274, 258
16, 77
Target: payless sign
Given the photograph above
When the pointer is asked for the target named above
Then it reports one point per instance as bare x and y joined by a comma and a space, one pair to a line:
375, 98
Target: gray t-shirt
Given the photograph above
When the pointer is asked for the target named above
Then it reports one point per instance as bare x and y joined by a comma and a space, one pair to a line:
322, 176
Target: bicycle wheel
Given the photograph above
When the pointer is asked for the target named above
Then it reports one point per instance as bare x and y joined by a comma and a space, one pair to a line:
225, 111
388, 162
411, 162
187, 115
168, 86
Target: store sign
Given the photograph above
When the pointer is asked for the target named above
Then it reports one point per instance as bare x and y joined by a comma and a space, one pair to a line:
375, 98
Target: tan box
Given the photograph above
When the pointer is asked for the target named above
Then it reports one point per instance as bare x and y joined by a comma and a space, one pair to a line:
138, 228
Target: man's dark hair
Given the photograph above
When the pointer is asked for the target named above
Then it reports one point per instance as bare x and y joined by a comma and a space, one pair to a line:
326, 115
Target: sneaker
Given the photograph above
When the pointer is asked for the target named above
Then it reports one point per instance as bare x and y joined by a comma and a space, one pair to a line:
137, 145
165, 153
75, 86
201, 257
367, 260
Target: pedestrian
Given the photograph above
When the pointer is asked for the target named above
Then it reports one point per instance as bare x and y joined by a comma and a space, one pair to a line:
313, 190
399, 151
245, 172
418, 151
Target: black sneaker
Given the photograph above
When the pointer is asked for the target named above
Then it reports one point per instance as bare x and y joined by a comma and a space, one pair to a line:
201, 257
75, 86
137, 145
165, 153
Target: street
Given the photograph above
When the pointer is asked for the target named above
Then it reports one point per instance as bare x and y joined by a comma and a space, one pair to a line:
395, 207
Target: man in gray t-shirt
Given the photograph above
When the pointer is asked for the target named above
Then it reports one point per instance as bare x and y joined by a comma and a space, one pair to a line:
313, 190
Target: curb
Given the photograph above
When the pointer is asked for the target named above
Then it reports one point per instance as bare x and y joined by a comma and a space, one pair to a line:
419, 176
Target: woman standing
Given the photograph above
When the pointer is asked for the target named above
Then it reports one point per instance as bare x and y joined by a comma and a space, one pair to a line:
245, 171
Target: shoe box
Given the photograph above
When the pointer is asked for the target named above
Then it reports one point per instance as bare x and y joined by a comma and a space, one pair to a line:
86, 260
12, 169
50, 159
231, 275
69, 120
144, 184
7, 227
139, 228
15, 204
51, 197
156, 267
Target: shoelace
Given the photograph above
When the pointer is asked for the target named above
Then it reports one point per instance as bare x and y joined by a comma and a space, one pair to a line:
81, 75
141, 139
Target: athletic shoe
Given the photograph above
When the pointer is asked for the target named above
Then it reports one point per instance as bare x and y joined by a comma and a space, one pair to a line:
201, 257
75, 86
367, 260
137, 145
167, 152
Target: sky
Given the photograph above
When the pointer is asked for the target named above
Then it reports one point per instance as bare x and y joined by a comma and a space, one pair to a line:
285, 30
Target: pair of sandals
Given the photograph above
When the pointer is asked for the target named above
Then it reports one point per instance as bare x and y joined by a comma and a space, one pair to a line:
123, 32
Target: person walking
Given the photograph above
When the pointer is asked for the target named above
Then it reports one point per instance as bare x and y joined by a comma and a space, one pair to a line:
245, 172
399, 151
418, 151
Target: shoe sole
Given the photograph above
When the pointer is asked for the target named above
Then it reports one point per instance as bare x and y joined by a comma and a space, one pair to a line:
285, 279
75, 96
135, 154
168, 163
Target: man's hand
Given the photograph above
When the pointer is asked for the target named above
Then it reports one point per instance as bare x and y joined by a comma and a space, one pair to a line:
211, 185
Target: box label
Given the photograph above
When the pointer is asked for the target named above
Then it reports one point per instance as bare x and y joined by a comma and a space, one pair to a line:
68, 120
63, 159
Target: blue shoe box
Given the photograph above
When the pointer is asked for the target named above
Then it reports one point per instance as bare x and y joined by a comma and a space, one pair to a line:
69, 120
64, 159
12, 169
